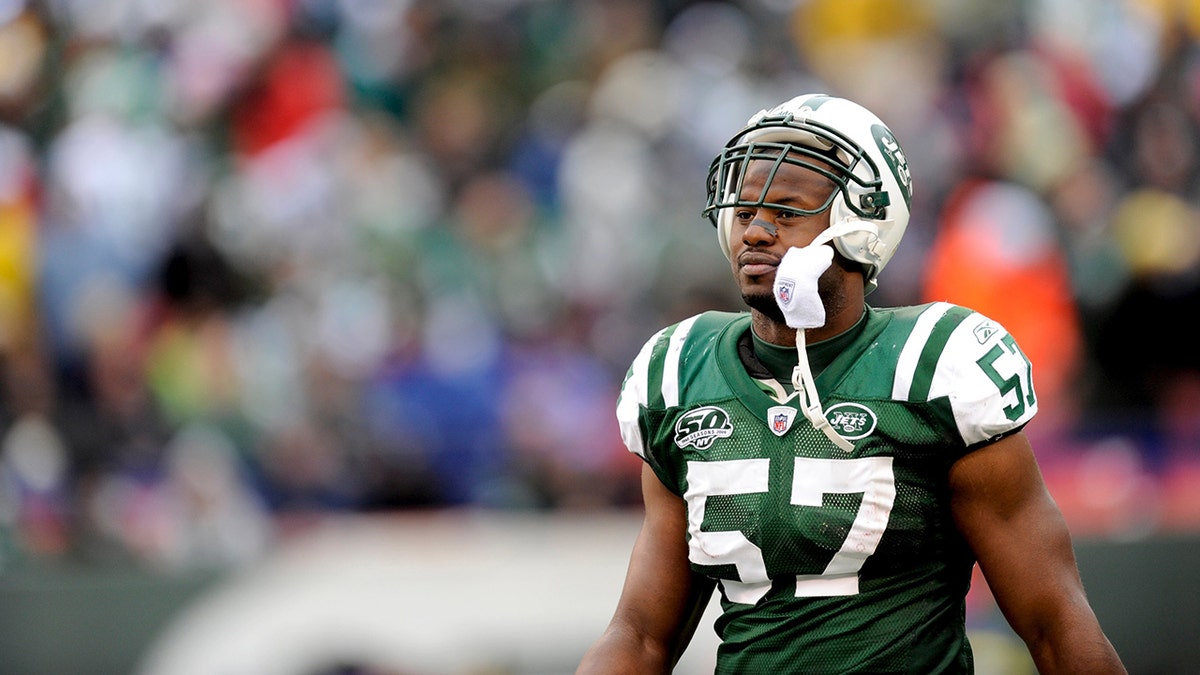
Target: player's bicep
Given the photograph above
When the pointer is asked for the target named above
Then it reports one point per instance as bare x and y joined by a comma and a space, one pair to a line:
660, 587
1002, 508
662, 599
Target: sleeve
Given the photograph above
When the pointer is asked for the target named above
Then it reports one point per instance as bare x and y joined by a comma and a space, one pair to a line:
635, 396
987, 379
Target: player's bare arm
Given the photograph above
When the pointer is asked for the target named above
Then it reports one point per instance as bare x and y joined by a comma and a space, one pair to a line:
1024, 549
662, 600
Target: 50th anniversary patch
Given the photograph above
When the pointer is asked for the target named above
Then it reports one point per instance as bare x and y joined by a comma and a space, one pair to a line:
701, 427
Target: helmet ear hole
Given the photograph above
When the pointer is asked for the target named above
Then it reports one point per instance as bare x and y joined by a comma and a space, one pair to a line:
839, 211
853, 236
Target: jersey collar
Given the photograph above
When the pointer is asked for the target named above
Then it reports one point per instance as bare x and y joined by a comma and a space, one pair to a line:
838, 354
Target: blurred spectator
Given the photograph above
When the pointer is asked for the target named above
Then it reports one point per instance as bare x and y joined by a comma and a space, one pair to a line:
36, 489
556, 422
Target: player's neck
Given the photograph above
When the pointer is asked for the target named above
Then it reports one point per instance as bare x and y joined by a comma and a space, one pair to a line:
779, 333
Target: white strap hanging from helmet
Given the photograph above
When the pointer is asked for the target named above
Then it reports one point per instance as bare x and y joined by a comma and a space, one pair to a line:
810, 402
796, 294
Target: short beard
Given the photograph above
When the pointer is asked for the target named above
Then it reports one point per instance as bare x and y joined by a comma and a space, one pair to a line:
765, 304
828, 290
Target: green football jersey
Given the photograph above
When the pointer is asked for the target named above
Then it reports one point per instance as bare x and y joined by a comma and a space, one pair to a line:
830, 561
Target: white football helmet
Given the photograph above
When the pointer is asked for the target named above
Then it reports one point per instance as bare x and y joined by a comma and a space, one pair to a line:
869, 209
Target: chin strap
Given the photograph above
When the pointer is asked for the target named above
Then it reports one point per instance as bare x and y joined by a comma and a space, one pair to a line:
796, 294
810, 402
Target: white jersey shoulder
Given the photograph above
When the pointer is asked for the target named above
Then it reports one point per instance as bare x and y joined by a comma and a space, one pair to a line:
637, 392
980, 370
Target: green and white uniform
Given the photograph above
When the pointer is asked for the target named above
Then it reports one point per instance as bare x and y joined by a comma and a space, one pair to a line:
829, 561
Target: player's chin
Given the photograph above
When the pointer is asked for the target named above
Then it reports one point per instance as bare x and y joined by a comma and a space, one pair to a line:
764, 302
756, 283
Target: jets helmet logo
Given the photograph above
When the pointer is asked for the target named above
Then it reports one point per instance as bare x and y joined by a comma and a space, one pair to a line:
852, 421
895, 159
701, 427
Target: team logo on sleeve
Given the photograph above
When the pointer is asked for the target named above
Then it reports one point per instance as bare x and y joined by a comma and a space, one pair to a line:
851, 421
701, 427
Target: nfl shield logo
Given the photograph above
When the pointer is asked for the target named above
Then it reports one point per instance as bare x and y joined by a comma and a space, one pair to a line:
784, 288
780, 418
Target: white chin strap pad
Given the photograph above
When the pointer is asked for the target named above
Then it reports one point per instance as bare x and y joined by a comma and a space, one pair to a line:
796, 285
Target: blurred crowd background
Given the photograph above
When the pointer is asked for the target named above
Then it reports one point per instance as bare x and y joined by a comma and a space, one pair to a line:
267, 260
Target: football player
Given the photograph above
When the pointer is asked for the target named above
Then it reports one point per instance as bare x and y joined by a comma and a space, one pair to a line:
835, 469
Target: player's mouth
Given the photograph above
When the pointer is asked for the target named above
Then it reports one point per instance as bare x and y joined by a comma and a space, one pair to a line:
756, 264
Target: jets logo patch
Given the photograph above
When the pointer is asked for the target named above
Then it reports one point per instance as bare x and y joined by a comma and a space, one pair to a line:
701, 427
851, 421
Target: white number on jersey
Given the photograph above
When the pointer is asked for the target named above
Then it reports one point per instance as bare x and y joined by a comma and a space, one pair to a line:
812, 480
